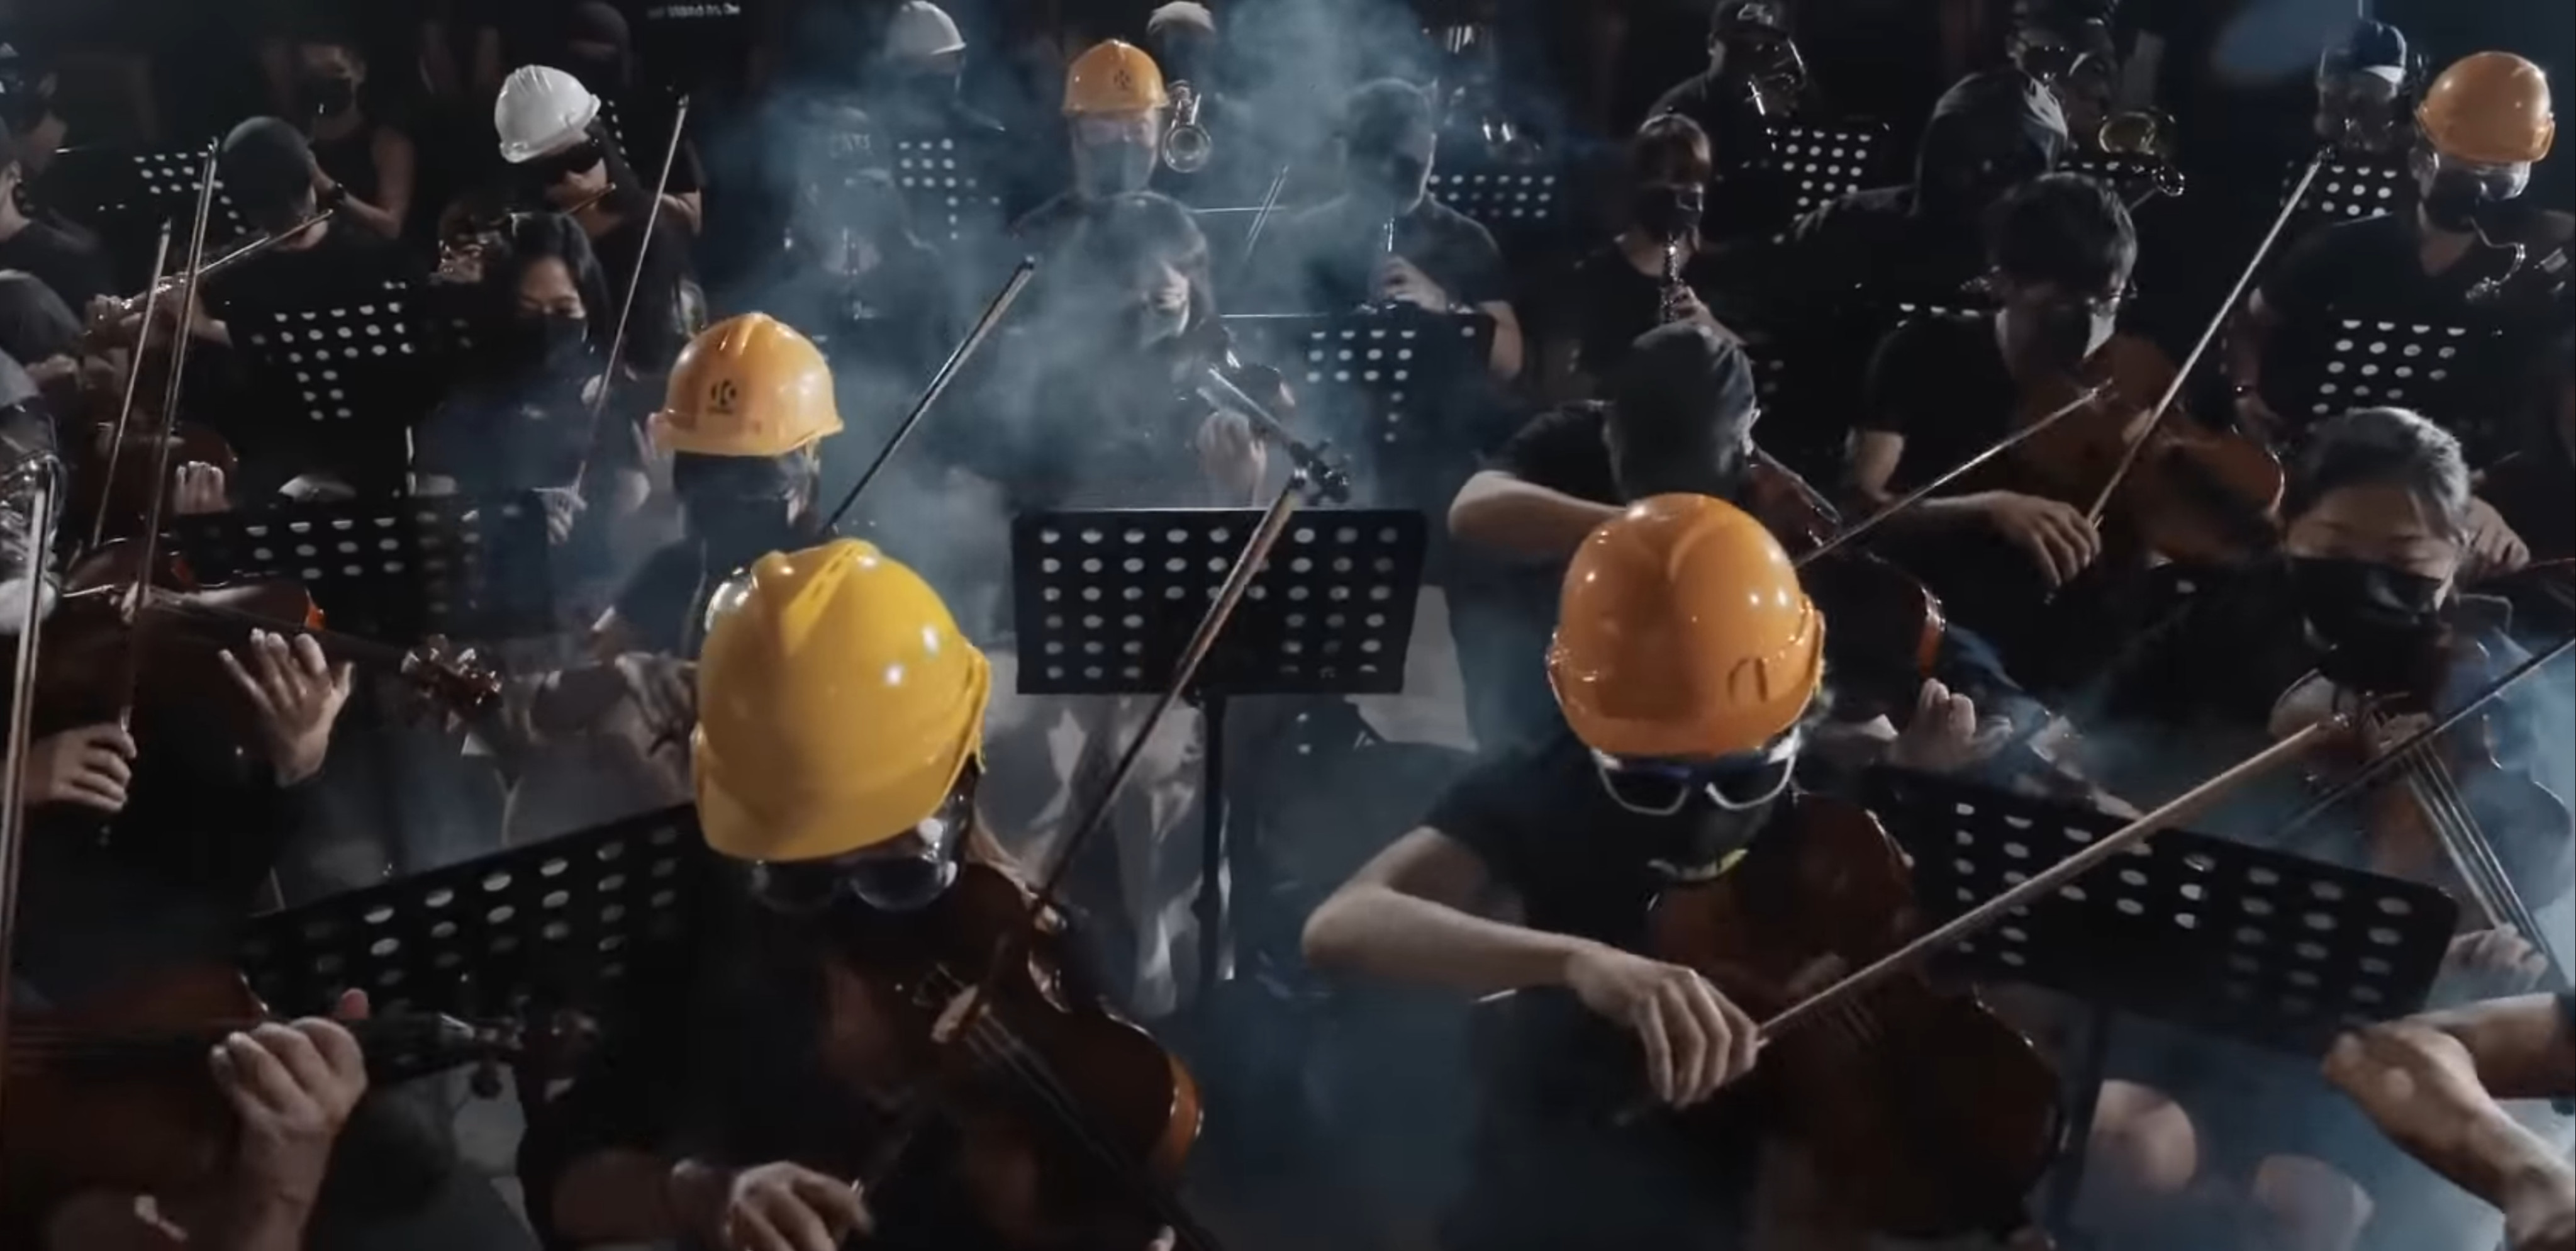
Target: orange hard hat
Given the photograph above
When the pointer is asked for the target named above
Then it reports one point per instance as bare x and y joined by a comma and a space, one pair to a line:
746, 386
1113, 76
2489, 108
1683, 634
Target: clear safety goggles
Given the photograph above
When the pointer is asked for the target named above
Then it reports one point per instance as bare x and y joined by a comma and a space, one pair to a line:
1734, 783
2495, 182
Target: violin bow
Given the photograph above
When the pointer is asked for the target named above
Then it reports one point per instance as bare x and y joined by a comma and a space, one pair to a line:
43, 475
133, 602
1261, 218
939, 380
133, 383
1947, 476
635, 279
1997, 910
2208, 334
1229, 596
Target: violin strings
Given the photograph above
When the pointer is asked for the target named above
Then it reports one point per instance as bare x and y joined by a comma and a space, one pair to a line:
991, 1040
2482, 872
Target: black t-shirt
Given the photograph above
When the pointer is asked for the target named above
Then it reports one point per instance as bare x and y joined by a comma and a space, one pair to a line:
1548, 830
76, 270
2370, 270
1608, 304
1321, 259
1940, 382
497, 436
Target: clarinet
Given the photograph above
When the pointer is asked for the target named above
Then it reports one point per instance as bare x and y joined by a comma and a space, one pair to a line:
1676, 292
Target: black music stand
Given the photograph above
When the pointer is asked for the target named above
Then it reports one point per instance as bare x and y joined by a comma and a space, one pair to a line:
2131, 177
1515, 201
356, 376
1106, 600
1382, 381
2439, 369
2348, 189
1813, 164
393, 569
2219, 936
576, 922
167, 182
943, 182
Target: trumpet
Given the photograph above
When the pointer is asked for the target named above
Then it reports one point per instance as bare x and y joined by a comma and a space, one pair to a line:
1186, 145
119, 309
2147, 135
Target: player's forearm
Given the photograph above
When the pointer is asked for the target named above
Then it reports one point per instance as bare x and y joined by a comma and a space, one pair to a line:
1386, 933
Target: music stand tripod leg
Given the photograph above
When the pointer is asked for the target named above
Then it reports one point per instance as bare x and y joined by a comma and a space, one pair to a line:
1210, 907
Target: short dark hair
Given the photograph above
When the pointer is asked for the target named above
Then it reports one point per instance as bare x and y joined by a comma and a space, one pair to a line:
1382, 111
1682, 404
1670, 145
2068, 229
2381, 447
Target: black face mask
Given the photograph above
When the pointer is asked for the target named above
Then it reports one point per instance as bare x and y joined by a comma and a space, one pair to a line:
2375, 621
549, 343
1394, 181
326, 95
1695, 824
1116, 167
2452, 200
1667, 212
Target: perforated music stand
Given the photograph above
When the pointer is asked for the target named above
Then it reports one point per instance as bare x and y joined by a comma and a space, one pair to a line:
1814, 163
166, 183
1106, 600
2426, 366
393, 569
1513, 200
2219, 936
1379, 379
943, 183
564, 923
2348, 189
2132, 178
358, 376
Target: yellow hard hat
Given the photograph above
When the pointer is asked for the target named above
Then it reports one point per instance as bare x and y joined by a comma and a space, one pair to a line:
1683, 634
747, 386
1113, 77
2489, 108
837, 705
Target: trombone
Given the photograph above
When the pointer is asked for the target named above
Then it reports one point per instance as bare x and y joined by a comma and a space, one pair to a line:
2146, 135
1186, 145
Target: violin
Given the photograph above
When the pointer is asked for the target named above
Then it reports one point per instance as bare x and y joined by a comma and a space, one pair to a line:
117, 636
117, 1094
2186, 492
1073, 1122
1932, 1116
1889, 624
2431, 820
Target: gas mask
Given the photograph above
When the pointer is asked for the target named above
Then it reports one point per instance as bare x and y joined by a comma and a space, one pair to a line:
1970, 169
905, 874
1115, 167
22, 102
1666, 212
2454, 194
2375, 620
326, 95
1706, 812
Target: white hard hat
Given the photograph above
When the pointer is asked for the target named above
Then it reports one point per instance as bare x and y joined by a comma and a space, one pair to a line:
541, 110
920, 28
1187, 13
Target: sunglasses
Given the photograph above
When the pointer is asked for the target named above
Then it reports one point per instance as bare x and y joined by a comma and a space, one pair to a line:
582, 157
1737, 783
